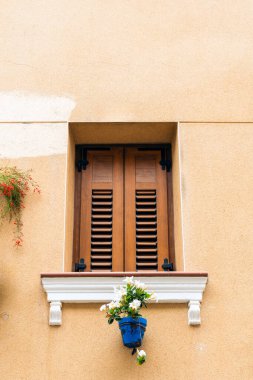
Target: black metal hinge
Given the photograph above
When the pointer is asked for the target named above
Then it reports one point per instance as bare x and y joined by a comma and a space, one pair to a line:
81, 266
166, 160
167, 266
83, 162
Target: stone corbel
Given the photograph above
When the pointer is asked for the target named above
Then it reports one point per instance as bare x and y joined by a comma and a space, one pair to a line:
194, 313
55, 313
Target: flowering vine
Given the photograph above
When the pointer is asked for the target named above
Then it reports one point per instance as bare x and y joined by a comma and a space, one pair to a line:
128, 301
14, 186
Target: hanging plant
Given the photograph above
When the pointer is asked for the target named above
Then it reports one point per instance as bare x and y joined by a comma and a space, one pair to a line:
14, 186
125, 309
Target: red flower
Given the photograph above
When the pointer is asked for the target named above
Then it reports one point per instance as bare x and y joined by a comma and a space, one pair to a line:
18, 243
36, 190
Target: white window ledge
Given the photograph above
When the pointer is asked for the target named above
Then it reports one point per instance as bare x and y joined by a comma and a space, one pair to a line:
170, 287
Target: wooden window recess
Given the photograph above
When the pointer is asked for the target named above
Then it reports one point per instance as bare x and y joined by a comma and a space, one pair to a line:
123, 208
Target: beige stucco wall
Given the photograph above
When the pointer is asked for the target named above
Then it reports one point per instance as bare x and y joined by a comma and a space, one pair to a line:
142, 60
118, 61
215, 165
217, 205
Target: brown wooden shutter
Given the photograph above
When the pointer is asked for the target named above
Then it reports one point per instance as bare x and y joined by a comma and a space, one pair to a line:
101, 224
146, 211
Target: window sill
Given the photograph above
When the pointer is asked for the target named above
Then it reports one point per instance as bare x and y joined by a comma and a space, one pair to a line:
170, 287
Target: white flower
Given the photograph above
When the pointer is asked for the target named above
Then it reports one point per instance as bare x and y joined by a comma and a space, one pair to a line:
140, 285
154, 297
113, 305
103, 307
123, 290
135, 304
129, 280
119, 293
141, 353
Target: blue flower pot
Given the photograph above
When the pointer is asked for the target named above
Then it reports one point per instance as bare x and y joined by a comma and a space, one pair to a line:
132, 331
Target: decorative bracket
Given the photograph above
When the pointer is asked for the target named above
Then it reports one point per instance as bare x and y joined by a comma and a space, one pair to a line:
194, 313
55, 313
84, 287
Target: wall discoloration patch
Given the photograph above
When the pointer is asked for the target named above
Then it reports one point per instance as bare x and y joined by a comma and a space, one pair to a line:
33, 139
26, 107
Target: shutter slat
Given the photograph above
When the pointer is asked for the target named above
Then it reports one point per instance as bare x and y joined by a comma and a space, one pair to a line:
145, 223
102, 256
145, 257
99, 210
139, 250
101, 230
153, 203
145, 196
96, 223
101, 216
100, 196
139, 209
145, 243
98, 236
144, 265
145, 230
102, 242
93, 250
99, 205
99, 265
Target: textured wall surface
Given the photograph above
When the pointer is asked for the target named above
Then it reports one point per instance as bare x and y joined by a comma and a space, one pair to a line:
142, 60
138, 61
216, 181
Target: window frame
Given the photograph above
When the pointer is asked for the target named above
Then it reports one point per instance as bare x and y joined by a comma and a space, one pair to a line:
81, 163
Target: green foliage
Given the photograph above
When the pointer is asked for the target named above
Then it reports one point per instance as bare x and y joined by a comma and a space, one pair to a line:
110, 320
141, 359
129, 299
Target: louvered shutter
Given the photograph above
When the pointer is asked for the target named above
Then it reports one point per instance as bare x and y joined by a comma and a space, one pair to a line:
146, 211
101, 225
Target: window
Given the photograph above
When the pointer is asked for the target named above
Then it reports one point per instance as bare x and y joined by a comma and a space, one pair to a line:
123, 208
